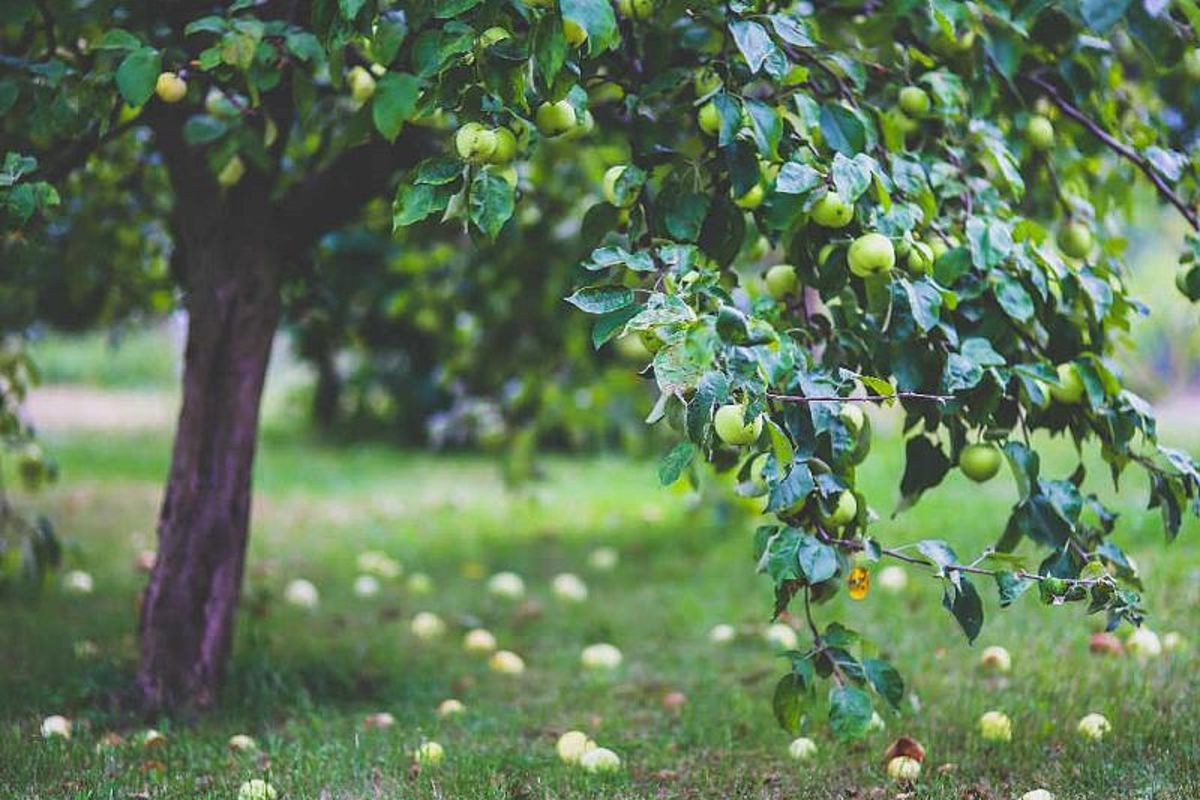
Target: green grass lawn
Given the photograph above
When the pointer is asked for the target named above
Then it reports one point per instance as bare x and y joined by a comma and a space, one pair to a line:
302, 682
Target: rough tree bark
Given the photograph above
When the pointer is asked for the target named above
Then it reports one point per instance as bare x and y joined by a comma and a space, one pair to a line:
233, 247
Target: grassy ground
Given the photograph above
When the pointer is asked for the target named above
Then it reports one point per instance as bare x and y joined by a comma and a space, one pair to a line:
302, 682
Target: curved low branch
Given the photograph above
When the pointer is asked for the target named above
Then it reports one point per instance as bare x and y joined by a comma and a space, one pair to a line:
883, 398
1117, 147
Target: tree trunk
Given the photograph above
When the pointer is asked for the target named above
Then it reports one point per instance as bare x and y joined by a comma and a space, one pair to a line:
186, 627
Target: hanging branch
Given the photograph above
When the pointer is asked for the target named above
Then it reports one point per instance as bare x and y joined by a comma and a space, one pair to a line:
798, 398
1119, 148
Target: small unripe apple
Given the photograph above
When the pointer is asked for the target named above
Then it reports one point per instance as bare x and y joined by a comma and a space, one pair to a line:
802, 749
731, 428
635, 9
781, 281
751, 199
852, 416
570, 587
479, 640
600, 657
1191, 64
450, 707
574, 33
1144, 643
555, 119
920, 258
493, 35
241, 743
844, 510
362, 84
508, 585
233, 172
1039, 132
1075, 240
722, 633
475, 143
831, 211
871, 254
904, 769
706, 81
980, 462
506, 662
610, 188
914, 101
170, 88
995, 726
426, 625
56, 725
1069, 389
1037, 794
506, 146
709, 118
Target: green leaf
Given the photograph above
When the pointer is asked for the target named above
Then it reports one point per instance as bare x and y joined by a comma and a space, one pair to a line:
793, 696
966, 606
1012, 297
448, 9
202, 129
549, 48
753, 42
797, 178
849, 712
851, 176
137, 75
938, 551
886, 680
597, 18
601, 299
438, 171
842, 129
817, 561
393, 104
684, 213
390, 33
1100, 15
925, 466
121, 39
1011, 587
792, 489
675, 462
491, 203
611, 324
304, 46
792, 30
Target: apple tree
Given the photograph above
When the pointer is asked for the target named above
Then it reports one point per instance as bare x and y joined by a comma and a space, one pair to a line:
942, 186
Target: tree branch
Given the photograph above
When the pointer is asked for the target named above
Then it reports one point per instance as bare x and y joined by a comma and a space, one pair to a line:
1118, 147
798, 398
332, 197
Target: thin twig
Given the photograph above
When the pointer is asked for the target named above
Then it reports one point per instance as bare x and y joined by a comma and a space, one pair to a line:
1119, 148
799, 398
856, 545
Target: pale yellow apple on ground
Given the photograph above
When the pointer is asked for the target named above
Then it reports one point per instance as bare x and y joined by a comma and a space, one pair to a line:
995, 726
1144, 643
366, 586
153, 739
427, 626
1037, 794
78, 582
572, 745
508, 585
302, 594
378, 721
802, 749
1094, 727
373, 562
569, 587
1173, 642
56, 725
241, 743
257, 789
506, 662
479, 640
904, 769
450, 707
601, 656
995, 658
892, 578
599, 759
430, 754
420, 583
604, 559
722, 634
782, 637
